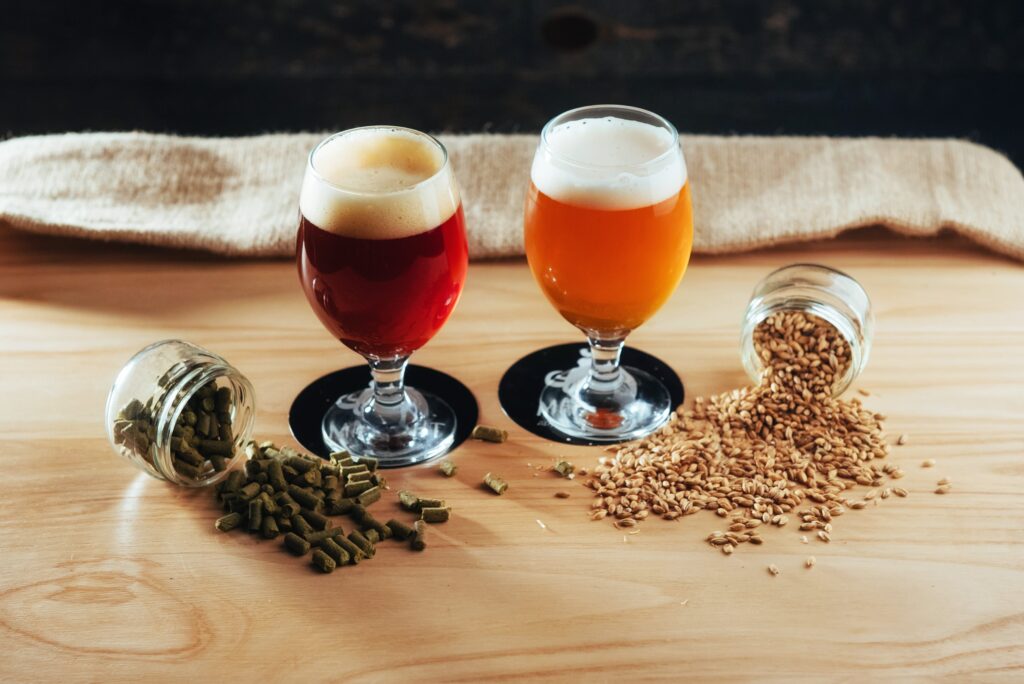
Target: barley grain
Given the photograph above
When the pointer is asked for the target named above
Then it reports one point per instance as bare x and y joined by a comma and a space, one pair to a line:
757, 455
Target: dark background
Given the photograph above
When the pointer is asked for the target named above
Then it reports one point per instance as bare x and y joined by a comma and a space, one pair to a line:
226, 67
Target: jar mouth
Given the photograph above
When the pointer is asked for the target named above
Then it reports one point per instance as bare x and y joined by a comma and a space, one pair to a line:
169, 413
822, 291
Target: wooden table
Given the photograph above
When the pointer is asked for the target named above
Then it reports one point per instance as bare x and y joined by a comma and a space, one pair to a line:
108, 574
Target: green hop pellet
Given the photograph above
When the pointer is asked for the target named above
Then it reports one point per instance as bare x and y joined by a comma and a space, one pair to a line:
358, 512
301, 527
311, 477
268, 528
448, 469
220, 463
370, 462
372, 536
216, 446
187, 469
269, 505
431, 503
287, 506
399, 530
361, 476
275, 475
489, 434
338, 554
357, 538
354, 552
228, 522
435, 515
495, 483
203, 424
191, 456
382, 530
348, 471
222, 399
357, 488
233, 481
418, 540
408, 500
252, 468
300, 464
369, 496
341, 458
339, 506
304, 498
317, 520
322, 562
249, 491
296, 545
255, 515
284, 522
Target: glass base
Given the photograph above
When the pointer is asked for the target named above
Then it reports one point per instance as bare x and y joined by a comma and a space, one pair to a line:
631, 409
424, 428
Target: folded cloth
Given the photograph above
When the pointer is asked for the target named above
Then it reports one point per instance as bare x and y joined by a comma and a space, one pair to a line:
239, 196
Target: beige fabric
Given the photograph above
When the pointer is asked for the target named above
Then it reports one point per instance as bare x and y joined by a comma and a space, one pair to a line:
239, 196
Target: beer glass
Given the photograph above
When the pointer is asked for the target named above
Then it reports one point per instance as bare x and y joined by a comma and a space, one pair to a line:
382, 257
608, 229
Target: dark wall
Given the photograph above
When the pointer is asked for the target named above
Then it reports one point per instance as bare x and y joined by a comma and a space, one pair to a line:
889, 67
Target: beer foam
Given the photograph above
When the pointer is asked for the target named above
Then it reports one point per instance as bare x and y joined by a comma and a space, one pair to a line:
608, 163
379, 184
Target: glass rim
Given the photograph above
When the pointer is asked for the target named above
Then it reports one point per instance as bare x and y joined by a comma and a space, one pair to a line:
311, 167
665, 123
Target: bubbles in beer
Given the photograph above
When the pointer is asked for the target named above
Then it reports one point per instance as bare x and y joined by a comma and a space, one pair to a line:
379, 183
608, 163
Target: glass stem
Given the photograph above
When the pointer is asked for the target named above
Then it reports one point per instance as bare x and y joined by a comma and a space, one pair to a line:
389, 397
605, 374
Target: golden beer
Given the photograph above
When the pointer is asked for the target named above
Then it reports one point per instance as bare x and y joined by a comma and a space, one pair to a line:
608, 232
604, 269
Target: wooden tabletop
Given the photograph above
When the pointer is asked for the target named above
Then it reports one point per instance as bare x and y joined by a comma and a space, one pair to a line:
108, 574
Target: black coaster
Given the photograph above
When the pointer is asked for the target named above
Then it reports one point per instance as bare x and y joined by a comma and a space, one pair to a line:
520, 387
309, 407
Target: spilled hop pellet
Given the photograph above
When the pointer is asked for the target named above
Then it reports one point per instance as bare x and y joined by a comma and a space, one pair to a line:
284, 492
758, 455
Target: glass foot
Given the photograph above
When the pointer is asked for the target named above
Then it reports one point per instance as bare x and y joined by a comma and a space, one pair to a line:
421, 428
625, 410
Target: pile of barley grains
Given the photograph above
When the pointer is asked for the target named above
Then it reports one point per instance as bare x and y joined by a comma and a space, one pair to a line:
785, 449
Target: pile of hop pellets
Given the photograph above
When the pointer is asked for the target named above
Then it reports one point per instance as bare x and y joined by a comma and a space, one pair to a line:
281, 491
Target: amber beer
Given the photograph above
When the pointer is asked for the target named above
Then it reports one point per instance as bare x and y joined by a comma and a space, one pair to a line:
609, 223
382, 251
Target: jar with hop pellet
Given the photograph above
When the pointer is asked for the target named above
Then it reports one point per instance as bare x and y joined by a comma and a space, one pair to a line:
180, 413
805, 302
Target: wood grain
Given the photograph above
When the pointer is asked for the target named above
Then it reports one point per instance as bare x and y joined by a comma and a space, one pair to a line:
111, 575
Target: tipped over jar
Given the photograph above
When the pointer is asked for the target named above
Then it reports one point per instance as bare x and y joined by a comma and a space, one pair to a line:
814, 291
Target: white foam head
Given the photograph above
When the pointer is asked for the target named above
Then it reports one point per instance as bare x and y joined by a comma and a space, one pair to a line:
379, 183
609, 163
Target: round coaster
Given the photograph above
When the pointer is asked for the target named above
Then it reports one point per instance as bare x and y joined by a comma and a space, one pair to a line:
308, 409
521, 386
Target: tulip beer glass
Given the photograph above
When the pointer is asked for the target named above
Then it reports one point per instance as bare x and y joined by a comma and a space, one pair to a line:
608, 230
382, 258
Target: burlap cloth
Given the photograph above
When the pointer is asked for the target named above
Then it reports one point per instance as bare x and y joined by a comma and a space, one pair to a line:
239, 196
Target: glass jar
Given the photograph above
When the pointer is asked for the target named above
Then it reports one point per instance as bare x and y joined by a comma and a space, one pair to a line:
814, 289
150, 396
